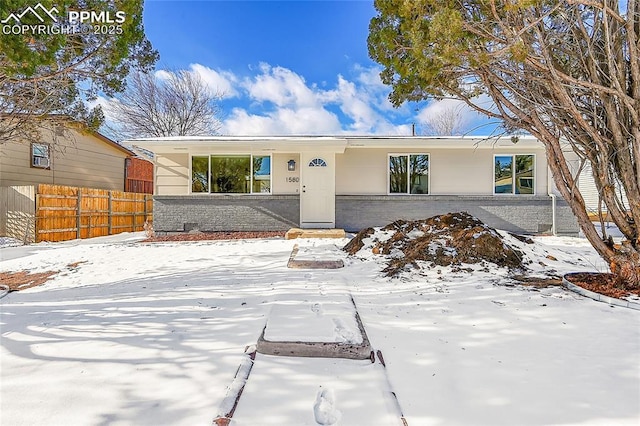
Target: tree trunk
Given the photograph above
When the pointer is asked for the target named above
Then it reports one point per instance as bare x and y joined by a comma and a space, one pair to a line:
626, 265
566, 72
624, 261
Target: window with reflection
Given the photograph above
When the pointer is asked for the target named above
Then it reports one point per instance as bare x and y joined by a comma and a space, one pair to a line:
231, 174
524, 181
419, 174
199, 174
262, 174
514, 174
409, 174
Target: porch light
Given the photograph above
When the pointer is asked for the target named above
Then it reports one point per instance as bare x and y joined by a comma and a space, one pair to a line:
291, 165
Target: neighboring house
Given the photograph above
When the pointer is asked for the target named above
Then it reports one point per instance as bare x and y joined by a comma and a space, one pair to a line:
139, 175
273, 183
71, 155
590, 193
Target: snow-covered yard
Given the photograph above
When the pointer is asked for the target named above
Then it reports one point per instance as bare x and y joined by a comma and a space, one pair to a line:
139, 333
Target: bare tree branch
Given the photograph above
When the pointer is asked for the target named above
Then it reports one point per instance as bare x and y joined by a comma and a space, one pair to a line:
449, 121
178, 103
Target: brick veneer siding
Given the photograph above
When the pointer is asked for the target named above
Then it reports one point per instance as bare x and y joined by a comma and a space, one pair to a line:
522, 214
225, 213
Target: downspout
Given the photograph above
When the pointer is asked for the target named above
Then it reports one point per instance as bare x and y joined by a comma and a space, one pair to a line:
154, 161
553, 203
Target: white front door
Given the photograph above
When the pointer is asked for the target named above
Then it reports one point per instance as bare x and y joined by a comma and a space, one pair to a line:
317, 190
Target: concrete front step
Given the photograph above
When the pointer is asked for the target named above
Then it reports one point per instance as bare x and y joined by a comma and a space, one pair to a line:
294, 233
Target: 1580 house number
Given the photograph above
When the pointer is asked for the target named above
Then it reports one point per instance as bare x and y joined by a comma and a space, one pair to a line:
292, 179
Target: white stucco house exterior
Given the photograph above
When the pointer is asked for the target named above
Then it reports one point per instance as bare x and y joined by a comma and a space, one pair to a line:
226, 183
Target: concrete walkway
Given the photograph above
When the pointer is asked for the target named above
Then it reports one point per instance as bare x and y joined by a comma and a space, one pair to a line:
322, 328
317, 348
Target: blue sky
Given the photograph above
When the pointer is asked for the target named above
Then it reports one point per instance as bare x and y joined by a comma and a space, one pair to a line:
285, 67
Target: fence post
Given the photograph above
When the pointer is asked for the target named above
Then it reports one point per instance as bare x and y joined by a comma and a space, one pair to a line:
146, 211
135, 208
36, 216
79, 214
110, 218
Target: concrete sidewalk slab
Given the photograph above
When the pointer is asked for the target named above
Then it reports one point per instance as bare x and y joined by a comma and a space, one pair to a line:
295, 391
321, 328
313, 258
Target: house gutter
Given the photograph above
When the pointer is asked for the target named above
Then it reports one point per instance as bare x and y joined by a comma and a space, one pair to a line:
553, 203
553, 213
154, 160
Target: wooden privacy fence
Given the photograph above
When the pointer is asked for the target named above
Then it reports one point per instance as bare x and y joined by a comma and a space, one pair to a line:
66, 213
59, 213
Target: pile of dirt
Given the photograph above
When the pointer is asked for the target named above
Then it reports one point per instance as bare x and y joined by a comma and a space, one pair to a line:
357, 243
450, 239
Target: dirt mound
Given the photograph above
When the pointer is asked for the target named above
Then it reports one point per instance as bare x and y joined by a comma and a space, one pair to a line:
357, 242
450, 239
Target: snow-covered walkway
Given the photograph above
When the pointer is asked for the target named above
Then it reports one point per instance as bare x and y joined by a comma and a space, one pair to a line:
131, 333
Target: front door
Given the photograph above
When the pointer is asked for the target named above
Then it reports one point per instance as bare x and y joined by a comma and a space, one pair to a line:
317, 190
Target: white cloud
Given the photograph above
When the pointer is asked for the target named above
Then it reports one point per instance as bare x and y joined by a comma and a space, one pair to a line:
162, 75
452, 111
218, 82
370, 82
437, 107
356, 105
275, 100
370, 77
282, 121
105, 104
281, 87
287, 104
470, 121
111, 127
221, 82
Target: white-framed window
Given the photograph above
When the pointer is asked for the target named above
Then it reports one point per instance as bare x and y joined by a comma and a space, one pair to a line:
231, 174
40, 155
408, 174
514, 174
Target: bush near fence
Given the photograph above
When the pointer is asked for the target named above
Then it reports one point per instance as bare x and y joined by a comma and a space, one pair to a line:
65, 213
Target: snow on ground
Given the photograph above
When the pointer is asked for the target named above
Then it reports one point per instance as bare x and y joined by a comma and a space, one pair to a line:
322, 319
140, 333
315, 391
610, 228
9, 242
320, 250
